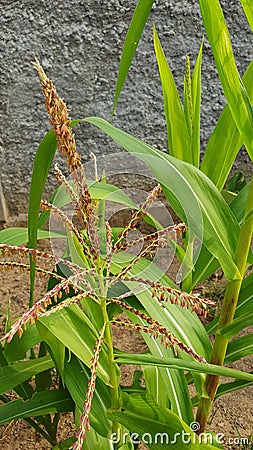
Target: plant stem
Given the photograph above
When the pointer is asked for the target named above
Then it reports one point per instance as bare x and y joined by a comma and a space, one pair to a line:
227, 312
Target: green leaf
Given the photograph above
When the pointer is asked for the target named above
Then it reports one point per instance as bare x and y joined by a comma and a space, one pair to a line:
42, 163
18, 236
235, 92
17, 348
168, 387
225, 141
243, 309
56, 347
236, 183
225, 388
239, 348
99, 191
188, 329
238, 324
248, 9
74, 330
238, 205
154, 425
41, 403
144, 268
135, 29
76, 376
65, 445
176, 363
178, 135
192, 195
15, 374
94, 441
206, 264
196, 100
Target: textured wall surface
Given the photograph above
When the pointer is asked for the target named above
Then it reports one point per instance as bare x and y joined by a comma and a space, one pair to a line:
79, 45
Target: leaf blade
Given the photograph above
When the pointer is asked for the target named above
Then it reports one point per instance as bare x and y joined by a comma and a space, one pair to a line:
133, 36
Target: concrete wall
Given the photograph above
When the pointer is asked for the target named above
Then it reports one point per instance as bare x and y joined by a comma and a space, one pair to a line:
79, 44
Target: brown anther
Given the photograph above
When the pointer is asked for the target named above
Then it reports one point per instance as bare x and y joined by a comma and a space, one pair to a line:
20, 332
31, 321
66, 290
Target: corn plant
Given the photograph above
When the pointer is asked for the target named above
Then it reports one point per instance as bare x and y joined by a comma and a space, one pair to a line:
77, 314
97, 281
97, 277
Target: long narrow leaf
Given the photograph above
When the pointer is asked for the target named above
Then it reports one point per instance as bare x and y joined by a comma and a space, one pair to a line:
235, 92
196, 101
73, 329
178, 135
18, 235
206, 264
16, 350
133, 36
11, 376
41, 403
225, 141
225, 388
76, 377
239, 348
248, 9
237, 325
193, 196
243, 309
42, 163
158, 426
186, 327
168, 387
175, 363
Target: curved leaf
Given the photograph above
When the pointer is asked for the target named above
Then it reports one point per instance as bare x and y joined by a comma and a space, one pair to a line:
76, 377
13, 375
225, 141
235, 92
176, 363
168, 387
42, 163
41, 403
243, 308
225, 388
159, 428
178, 135
73, 329
248, 9
135, 29
18, 235
192, 195
239, 348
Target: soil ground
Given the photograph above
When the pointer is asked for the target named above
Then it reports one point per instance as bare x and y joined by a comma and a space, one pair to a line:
232, 414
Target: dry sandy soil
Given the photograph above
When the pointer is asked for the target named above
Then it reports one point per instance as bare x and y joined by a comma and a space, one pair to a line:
232, 414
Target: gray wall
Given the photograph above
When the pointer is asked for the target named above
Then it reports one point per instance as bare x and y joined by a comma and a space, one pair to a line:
79, 44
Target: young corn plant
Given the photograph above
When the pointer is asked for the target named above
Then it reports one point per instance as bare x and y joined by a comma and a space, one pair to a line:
97, 277
234, 128
94, 282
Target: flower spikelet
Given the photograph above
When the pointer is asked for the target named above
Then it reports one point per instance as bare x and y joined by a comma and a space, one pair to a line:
59, 119
40, 307
144, 207
60, 122
156, 330
84, 421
